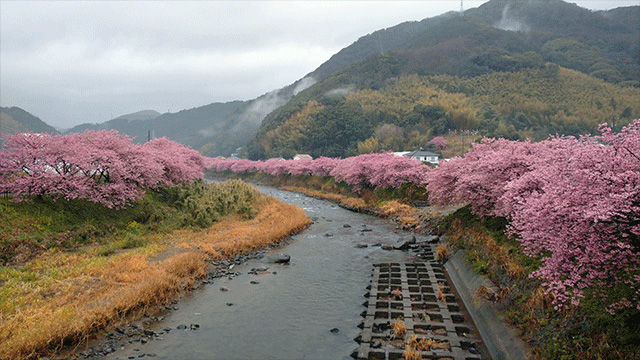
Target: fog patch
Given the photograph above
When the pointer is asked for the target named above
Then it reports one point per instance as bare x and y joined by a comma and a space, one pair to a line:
510, 23
340, 92
248, 121
303, 84
206, 132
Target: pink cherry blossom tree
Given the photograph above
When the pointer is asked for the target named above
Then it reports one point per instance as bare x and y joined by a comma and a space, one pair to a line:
101, 166
178, 163
438, 143
574, 202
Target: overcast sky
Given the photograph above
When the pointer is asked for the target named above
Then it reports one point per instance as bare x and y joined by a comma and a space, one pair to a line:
75, 62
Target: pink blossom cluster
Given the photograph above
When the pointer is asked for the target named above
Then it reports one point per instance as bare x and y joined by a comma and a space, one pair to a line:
573, 202
377, 170
101, 166
437, 142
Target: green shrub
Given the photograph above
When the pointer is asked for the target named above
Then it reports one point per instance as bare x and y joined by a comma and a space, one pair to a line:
204, 204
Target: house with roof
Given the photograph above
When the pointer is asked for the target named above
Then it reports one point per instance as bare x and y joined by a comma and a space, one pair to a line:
302, 156
423, 155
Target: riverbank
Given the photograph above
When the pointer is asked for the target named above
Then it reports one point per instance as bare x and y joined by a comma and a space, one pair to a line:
406, 206
311, 307
62, 296
584, 332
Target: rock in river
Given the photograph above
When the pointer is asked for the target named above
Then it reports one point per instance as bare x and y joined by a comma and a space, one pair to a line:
279, 259
406, 245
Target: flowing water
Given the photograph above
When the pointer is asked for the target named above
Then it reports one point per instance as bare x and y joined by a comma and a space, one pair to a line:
288, 311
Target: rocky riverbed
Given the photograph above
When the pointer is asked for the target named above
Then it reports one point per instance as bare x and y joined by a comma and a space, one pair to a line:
299, 299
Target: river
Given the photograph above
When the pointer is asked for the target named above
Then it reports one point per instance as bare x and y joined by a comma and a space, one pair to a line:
288, 311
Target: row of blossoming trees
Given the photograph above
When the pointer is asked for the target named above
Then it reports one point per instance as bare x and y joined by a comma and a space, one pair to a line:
376, 170
573, 202
100, 166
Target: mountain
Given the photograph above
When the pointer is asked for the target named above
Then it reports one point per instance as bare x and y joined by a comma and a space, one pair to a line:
374, 90
120, 123
419, 79
183, 126
214, 129
16, 120
140, 115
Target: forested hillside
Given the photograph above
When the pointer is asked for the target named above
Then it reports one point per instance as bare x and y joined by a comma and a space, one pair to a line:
410, 110
509, 68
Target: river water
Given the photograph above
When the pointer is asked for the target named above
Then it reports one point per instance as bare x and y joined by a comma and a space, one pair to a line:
288, 311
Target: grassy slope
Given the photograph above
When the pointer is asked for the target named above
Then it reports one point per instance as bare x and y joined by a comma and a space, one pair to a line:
76, 268
584, 332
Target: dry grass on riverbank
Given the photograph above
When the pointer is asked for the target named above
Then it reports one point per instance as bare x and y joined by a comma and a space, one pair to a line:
484, 247
274, 222
353, 203
404, 215
67, 297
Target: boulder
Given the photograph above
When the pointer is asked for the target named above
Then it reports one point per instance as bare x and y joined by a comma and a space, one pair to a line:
404, 246
279, 259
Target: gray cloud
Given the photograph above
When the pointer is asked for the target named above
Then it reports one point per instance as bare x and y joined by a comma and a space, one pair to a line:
73, 62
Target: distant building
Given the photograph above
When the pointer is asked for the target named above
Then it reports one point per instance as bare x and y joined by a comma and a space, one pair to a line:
424, 156
278, 158
302, 156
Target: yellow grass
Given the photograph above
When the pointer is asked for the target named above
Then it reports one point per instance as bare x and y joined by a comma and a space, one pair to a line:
397, 295
442, 296
66, 298
425, 344
274, 222
411, 354
352, 202
398, 327
442, 251
539, 299
405, 215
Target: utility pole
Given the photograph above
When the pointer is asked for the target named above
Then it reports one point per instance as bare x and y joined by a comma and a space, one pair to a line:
461, 8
